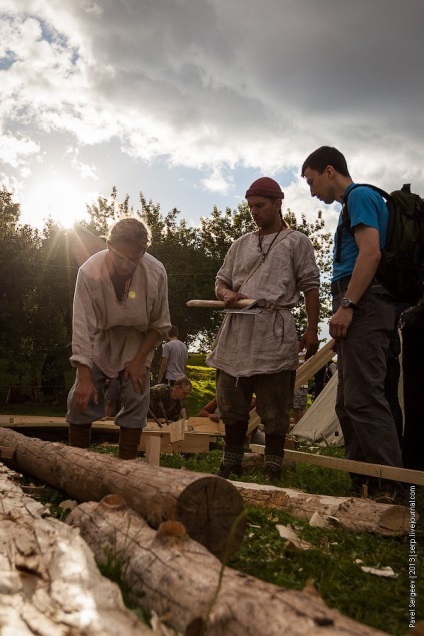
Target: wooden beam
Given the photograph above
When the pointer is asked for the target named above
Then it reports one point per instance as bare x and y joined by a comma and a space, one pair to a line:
348, 465
153, 445
219, 304
176, 430
314, 364
192, 442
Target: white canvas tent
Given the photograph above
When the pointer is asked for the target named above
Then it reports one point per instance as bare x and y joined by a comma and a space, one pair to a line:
320, 423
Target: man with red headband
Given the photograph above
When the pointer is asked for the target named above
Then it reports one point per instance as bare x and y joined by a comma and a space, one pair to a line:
258, 352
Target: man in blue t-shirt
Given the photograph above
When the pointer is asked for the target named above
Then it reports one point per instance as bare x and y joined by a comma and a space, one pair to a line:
363, 315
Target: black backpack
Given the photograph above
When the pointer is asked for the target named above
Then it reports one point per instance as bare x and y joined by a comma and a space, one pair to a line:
401, 268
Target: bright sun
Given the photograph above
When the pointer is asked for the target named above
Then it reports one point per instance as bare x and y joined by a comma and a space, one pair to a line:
55, 197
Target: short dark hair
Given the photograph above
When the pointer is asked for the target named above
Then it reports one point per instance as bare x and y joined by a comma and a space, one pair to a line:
173, 331
183, 380
326, 156
130, 230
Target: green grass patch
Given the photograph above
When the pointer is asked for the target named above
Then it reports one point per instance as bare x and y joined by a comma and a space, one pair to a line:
203, 380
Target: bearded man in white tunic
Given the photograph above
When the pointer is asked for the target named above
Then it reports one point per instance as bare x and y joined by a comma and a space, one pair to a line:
257, 353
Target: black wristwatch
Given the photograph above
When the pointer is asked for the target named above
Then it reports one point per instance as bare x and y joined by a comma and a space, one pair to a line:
347, 304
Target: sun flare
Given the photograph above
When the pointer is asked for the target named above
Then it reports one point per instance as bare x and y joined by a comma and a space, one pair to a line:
56, 198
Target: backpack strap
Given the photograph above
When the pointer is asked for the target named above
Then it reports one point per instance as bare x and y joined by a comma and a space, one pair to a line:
345, 224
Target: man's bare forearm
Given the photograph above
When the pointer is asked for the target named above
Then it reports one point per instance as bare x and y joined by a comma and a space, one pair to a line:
312, 307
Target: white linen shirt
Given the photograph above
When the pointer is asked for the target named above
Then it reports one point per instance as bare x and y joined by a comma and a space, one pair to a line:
107, 332
267, 342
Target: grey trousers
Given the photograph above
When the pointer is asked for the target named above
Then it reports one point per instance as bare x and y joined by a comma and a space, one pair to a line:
133, 413
365, 418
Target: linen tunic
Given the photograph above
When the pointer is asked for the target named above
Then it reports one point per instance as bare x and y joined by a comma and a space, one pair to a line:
107, 332
267, 342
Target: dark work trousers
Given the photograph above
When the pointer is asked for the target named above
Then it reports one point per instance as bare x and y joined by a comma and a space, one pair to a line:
391, 391
367, 423
413, 382
274, 397
391, 383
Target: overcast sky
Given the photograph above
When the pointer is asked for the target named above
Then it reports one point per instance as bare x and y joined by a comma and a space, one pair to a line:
189, 101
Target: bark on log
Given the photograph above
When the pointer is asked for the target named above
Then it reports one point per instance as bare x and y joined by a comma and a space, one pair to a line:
176, 576
49, 581
207, 505
356, 514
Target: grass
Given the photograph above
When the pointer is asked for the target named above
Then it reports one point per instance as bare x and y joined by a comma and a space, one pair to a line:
203, 380
330, 566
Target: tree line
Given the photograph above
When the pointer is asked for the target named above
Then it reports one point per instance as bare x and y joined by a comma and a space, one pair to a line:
39, 270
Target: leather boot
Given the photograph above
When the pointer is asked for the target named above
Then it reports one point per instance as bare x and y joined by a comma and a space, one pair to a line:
129, 440
80, 435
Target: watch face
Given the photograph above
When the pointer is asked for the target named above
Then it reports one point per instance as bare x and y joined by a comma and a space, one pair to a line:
345, 302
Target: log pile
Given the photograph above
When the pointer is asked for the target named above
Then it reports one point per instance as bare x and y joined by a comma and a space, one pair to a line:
49, 581
207, 505
177, 577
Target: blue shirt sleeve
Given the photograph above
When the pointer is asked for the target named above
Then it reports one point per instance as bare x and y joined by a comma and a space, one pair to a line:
366, 207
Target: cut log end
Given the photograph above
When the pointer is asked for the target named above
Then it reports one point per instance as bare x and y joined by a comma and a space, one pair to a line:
222, 535
395, 519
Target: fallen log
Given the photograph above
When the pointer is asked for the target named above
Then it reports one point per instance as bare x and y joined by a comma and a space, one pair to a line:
49, 581
206, 504
363, 515
174, 575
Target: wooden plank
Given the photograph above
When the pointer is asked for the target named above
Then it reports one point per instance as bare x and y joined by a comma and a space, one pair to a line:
348, 465
314, 364
206, 425
176, 430
9, 421
153, 444
219, 304
289, 443
254, 421
197, 441
192, 442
